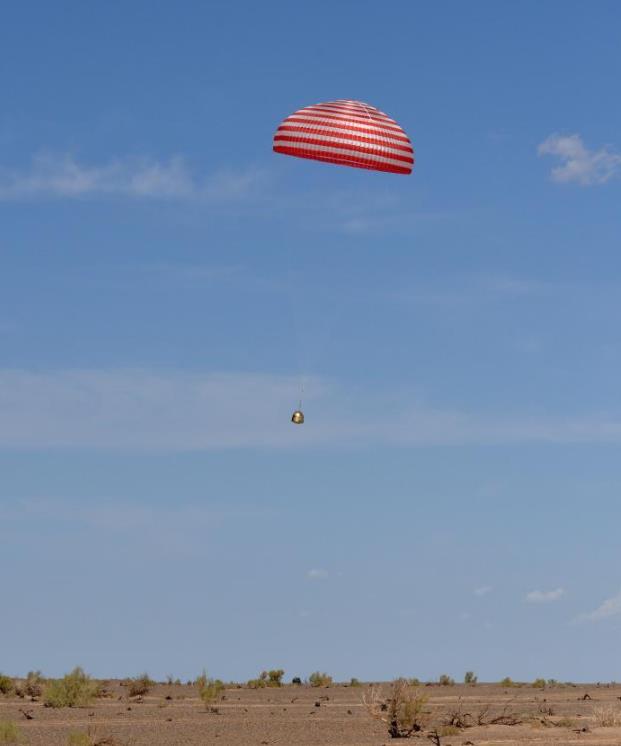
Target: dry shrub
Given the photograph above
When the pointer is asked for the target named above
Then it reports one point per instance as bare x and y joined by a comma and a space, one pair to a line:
140, 685
457, 718
32, 686
506, 717
446, 680
402, 711
607, 716
539, 684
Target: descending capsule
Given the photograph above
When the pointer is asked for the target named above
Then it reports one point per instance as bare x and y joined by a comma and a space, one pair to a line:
297, 417
348, 133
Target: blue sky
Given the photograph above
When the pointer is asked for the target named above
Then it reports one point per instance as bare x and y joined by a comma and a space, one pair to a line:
167, 283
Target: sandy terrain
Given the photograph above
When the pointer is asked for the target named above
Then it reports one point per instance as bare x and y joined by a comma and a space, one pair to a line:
290, 715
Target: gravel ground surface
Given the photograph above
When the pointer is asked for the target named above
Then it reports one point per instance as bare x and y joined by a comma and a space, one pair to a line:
305, 716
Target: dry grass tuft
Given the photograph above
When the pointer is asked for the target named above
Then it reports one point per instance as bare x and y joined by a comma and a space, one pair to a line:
90, 738
607, 716
10, 733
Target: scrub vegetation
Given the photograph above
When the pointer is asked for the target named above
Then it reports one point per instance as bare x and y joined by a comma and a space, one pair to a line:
140, 685
317, 678
75, 689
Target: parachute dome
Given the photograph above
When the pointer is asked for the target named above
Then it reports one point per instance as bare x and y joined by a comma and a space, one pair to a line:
349, 133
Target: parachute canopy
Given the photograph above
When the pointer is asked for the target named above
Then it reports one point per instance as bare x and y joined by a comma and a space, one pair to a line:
349, 133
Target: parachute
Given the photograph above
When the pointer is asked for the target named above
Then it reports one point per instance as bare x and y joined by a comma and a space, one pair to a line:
348, 133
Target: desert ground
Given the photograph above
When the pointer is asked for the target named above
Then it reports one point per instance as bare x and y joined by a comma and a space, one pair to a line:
173, 715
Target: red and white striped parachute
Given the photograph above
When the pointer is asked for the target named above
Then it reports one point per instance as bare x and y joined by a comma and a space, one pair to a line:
349, 133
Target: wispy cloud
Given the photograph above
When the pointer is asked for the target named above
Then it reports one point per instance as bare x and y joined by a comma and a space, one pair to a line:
543, 597
174, 410
483, 590
62, 176
579, 164
317, 574
609, 608
473, 288
180, 530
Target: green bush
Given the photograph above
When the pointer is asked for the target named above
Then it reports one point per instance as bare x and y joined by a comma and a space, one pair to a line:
507, 682
539, 684
446, 680
354, 682
210, 690
319, 679
274, 677
140, 685
10, 733
470, 678
6, 684
75, 689
271, 678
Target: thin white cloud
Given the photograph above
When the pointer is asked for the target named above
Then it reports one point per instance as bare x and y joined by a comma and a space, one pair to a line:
609, 608
179, 530
483, 590
317, 573
62, 176
542, 597
579, 164
471, 289
173, 410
